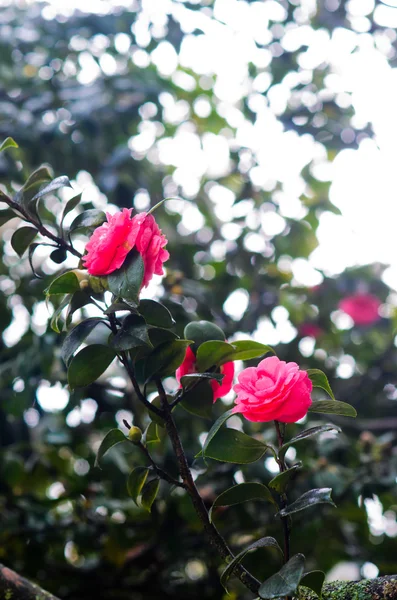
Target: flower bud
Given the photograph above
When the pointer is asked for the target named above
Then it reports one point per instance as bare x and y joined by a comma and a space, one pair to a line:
203, 331
135, 435
98, 284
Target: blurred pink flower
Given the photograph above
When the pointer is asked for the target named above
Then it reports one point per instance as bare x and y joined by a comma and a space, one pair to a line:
274, 390
310, 329
110, 243
362, 308
219, 389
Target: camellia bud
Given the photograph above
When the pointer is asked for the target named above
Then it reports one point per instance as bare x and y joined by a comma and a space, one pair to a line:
98, 284
203, 331
135, 435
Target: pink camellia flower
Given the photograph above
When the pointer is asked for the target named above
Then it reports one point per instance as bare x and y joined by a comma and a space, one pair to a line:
362, 308
219, 389
111, 242
310, 330
273, 391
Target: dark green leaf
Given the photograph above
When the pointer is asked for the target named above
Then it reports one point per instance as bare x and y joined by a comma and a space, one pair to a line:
214, 430
191, 378
88, 220
126, 282
6, 215
286, 581
55, 184
306, 434
67, 283
151, 435
199, 400
230, 445
310, 498
158, 336
333, 407
57, 313
58, 256
281, 481
246, 350
78, 300
203, 331
319, 380
113, 437
69, 206
166, 358
132, 334
243, 492
314, 580
149, 494
136, 481
22, 238
268, 542
213, 353
32, 249
89, 364
8, 143
119, 305
36, 179
76, 337
155, 314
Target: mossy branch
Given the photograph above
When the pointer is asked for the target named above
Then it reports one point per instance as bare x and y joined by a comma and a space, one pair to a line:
15, 587
382, 588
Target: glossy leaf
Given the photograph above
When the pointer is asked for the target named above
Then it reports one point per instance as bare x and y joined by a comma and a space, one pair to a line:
212, 353
8, 143
286, 581
58, 256
319, 380
192, 378
281, 481
303, 435
54, 323
89, 364
151, 434
266, 542
67, 283
126, 282
22, 238
314, 580
113, 437
149, 494
159, 335
132, 334
214, 430
166, 358
230, 445
243, 492
199, 400
55, 184
42, 175
120, 305
155, 314
333, 407
76, 337
247, 350
203, 331
88, 220
310, 498
69, 206
136, 481
7, 215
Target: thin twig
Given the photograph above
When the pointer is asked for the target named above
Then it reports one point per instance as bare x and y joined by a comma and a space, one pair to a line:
163, 474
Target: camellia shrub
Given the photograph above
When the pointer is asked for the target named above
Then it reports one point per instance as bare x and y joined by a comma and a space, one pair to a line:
123, 252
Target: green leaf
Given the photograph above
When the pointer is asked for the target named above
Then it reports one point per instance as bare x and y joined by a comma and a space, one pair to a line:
132, 334
58, 256
118, 305
69, 206
7, 215
214, 430
310, 498
268, 542
156, 206
35, 180
113, 437
199, 400
203, 331
151, 434
333, 407
32, 249
314, 580
212, 353
149, 494
319, 380
126, 282
158, 336
136, 481
87, 221
157, 403
233, 446
57, 313
281, 481
188, 380
306, 434
54, 185
76, 337
286, 581
246, 350
67, 283
8, 143
89, 364
166, 358
242, 492
156, 314
22, 238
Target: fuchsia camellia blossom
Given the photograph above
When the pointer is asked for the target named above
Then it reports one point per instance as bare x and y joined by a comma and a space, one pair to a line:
362, 308
110, 243
219, 389
273, 391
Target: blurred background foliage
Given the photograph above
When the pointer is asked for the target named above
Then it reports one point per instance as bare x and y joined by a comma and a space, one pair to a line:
230, 107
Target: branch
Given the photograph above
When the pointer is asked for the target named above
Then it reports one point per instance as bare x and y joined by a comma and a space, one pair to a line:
213, 534
15, 587
382, 588
160, 472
